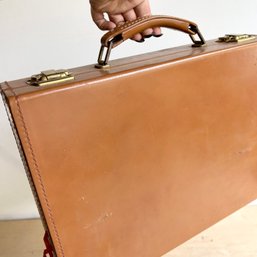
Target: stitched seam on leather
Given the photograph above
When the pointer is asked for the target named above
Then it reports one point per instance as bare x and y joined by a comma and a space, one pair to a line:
39, 177
23, 158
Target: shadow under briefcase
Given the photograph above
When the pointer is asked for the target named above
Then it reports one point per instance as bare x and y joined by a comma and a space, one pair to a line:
135, 156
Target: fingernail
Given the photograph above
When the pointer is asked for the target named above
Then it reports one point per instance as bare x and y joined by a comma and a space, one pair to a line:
148, 36
158, 35
141, 40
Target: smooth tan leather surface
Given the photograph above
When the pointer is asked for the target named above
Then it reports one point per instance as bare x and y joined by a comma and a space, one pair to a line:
133, 161
130, 28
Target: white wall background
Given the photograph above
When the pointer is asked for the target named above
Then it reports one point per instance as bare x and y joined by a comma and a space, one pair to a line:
40, 35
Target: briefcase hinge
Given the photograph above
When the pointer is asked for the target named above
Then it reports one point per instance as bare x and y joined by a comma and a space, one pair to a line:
236, 38
50, 77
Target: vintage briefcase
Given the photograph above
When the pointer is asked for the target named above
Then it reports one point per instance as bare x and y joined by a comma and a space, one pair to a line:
133, 157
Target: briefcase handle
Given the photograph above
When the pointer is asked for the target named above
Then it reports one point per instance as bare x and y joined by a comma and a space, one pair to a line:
130, 28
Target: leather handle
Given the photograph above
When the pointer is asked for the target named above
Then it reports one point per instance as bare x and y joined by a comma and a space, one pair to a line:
130, 28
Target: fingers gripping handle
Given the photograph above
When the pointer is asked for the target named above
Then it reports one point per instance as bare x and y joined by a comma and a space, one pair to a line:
121, 33
129, 29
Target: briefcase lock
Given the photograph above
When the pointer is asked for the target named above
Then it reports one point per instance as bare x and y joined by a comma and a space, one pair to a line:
50, 77
236, 38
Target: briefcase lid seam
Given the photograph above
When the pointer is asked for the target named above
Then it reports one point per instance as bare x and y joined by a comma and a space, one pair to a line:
36, 167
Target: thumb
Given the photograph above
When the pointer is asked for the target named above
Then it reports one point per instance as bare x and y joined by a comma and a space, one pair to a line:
100, 21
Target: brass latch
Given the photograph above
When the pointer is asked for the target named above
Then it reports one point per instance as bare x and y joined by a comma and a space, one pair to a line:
236, 38
50, 77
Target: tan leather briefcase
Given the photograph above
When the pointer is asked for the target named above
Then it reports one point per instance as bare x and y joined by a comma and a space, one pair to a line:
133, 157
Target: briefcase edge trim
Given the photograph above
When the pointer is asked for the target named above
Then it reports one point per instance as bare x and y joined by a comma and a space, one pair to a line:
25, 163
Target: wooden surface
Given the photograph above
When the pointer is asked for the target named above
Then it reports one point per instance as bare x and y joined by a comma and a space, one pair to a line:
21, 238
236, 236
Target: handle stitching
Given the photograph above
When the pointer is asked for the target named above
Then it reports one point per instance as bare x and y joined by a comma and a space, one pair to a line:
129, 23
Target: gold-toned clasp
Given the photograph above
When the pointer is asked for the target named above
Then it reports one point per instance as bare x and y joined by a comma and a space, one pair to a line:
236, 38
50, 77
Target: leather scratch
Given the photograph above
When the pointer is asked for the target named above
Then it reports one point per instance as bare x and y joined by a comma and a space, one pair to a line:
99, 220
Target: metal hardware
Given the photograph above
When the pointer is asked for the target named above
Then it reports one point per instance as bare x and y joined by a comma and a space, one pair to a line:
50, 77
197, 43
103, 63
236, 38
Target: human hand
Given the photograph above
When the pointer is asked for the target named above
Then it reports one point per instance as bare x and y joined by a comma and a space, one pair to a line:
120, 11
